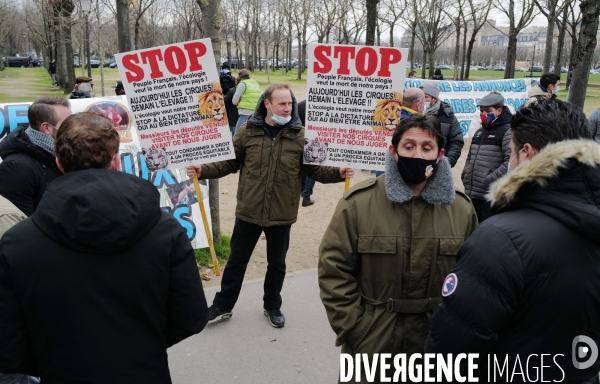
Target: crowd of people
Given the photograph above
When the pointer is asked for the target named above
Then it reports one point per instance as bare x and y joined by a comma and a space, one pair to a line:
408, 264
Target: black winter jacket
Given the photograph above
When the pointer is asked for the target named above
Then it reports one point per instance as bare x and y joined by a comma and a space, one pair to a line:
25, 171
528, 279
488, 156
232, 111
97, 284
453, 136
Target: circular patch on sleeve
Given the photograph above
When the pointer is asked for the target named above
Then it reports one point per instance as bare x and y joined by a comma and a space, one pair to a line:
450, 284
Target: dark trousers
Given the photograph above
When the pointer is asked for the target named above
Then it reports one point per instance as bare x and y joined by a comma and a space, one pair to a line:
244, 239
483, 208
306, 187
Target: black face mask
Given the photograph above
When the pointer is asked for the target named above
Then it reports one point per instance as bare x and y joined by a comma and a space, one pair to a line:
415, 170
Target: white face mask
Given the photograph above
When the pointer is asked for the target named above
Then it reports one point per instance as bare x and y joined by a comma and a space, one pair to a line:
280, 120
512, 158
426, 106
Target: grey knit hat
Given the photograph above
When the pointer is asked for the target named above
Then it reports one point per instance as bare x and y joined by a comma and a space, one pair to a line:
431, 88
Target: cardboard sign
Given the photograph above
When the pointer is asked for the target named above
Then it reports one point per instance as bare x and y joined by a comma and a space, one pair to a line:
353, 104
177, 103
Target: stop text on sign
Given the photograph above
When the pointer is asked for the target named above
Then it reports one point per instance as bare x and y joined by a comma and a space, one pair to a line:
366, 60
177, 61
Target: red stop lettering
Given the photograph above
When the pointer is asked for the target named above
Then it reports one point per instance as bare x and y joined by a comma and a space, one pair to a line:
366, 61
175, 60
344, 53
322, 62
389, 56
195, 51
136, 73
152, 57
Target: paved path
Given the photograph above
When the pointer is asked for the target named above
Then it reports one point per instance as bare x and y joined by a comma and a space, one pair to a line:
246, 349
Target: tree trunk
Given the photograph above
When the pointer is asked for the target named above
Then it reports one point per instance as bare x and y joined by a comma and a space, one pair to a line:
412, 46
136, 35
463, 60
211, 28
561, 43
572, 56
423, 66
584, 51
549, 41
469, 54
371, 21
300, 60
123, 34
457, 51
392, 36
511, 54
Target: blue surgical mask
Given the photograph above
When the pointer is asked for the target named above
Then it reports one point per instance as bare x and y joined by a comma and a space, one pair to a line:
426, 106
555, 91
279, 120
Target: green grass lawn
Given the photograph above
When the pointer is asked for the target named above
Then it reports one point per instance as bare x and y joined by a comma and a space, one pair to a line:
26, 84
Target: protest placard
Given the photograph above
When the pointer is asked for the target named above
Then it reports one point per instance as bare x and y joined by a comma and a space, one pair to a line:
177, 104
177, 196
353, 104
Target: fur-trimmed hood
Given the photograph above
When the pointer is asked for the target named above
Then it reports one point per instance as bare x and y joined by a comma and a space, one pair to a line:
562, 180
438, 190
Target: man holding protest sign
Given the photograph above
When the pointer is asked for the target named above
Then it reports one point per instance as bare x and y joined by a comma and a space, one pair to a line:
110, 281
391, 242
269, 155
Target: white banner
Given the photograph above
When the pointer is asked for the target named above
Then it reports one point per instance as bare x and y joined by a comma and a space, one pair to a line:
353, 104
463, 96
177, 103
177, 195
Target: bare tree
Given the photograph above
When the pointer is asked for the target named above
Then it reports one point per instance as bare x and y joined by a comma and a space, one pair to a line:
558, 61
62, 11
456, 13
520, 14
372, 6
139, 9
551, 9
572, 24
478, 12
391, 12
432, 27
584, 51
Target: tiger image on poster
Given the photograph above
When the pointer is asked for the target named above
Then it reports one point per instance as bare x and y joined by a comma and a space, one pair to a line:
387, 113
211, 106
314, 152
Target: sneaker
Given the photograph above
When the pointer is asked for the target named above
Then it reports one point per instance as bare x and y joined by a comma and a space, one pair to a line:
275, 317
216, 314
306, 203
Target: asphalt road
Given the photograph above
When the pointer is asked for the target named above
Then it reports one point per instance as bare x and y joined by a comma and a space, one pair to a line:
246, 349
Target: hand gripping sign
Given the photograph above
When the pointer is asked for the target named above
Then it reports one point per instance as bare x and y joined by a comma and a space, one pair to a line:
178, 106
353, 105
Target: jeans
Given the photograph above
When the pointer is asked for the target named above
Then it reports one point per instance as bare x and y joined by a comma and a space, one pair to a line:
244, 239
53, 76
241, 120
483, 209
306, 187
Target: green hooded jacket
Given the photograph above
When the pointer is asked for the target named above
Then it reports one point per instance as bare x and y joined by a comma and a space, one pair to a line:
269, 185
384, 257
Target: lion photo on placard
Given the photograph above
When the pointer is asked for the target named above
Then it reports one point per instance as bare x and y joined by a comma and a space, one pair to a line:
387, 113
314, 152
211, 105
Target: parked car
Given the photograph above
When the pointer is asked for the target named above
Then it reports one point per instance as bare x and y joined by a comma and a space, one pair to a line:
76, 63
108, 62
234, 63
521, 69
15, 61
473, 68
442, 66
113, 65
499, 68
38, 62
536, 68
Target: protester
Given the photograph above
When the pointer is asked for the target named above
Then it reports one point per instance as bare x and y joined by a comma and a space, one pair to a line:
412, 74
119, 90
84, 91
594, 123
413, 102
307, 185
489, 154
228, 88
476, 123
52, 71
527, 280
453, 137
27, 153
246, 97
110, 281
546, 89
269, 152
390, 242
437, 75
